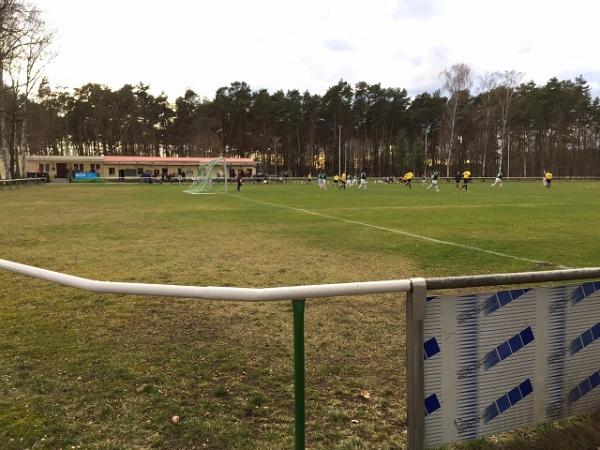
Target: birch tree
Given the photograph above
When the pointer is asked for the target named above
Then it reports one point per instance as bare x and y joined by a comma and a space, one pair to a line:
487, 84
25, 70
505, 92
10, 34
457, 82
24, 44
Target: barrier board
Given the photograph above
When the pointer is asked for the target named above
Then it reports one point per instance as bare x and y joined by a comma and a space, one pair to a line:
85, 176
499, 361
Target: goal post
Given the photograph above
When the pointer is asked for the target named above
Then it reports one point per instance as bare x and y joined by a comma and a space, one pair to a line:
211, 179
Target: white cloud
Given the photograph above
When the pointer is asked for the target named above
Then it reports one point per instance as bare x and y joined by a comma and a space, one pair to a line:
312, 44
417, 9
338, 45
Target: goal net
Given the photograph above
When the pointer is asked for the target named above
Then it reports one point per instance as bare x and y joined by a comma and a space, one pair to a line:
211, 178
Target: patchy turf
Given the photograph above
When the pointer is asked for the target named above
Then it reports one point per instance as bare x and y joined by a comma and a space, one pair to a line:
108, 372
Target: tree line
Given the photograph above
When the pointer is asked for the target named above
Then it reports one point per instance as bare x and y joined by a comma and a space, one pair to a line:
491, 123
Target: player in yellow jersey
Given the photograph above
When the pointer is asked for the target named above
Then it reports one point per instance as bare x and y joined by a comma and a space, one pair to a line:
407, 179
466, 180
547, 179
343, 181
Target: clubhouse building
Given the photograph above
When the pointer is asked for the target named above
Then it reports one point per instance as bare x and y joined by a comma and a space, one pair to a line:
130, 166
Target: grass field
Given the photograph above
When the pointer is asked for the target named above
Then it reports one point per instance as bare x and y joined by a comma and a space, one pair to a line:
80, 370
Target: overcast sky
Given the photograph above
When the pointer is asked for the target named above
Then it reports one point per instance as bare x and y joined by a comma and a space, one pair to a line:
310, 44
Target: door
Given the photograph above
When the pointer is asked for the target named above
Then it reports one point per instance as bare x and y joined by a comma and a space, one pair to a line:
61, 170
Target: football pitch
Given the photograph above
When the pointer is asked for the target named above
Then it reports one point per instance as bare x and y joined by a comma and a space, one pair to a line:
82, 370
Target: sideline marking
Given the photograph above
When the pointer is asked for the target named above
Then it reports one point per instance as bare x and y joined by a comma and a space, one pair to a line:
425, 207
404, 233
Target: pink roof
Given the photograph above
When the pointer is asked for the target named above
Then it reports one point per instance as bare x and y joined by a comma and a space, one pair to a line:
157, 160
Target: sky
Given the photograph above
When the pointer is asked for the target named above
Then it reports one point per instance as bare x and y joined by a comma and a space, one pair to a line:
310, 44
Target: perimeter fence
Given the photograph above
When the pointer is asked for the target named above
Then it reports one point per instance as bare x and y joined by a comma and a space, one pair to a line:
272, 179
21, 182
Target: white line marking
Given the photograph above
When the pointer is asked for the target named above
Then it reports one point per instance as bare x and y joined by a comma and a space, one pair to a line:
427, 207
403, 233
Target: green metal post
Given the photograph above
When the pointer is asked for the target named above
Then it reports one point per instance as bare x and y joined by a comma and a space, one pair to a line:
299, 412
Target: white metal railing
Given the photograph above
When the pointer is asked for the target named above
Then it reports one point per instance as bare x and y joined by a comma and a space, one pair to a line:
211, 292
18, 182
293, 292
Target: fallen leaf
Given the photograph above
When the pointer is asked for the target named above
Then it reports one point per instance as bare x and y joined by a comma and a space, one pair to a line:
365, 394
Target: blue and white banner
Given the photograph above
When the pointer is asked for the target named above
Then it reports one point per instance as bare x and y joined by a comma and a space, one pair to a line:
85, 175
499, 361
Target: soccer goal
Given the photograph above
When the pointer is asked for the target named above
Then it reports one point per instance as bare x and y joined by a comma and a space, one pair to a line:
211, 178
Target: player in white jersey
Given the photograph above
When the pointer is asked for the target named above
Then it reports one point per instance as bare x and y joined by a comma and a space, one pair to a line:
498, 181
349, 182
323, 180
363, 181
434, 181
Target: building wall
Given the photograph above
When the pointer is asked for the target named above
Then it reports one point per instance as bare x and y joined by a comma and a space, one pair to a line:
186, 170
49, 164
84, 164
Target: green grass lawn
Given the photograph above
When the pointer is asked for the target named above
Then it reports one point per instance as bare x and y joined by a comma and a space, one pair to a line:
81, 370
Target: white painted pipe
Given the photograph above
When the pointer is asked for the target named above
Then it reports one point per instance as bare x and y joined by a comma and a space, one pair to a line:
14, 180
293, 292
211, 292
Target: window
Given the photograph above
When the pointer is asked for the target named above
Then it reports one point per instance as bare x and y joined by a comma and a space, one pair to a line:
47, 166
94, 167
111, 171
140, 171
